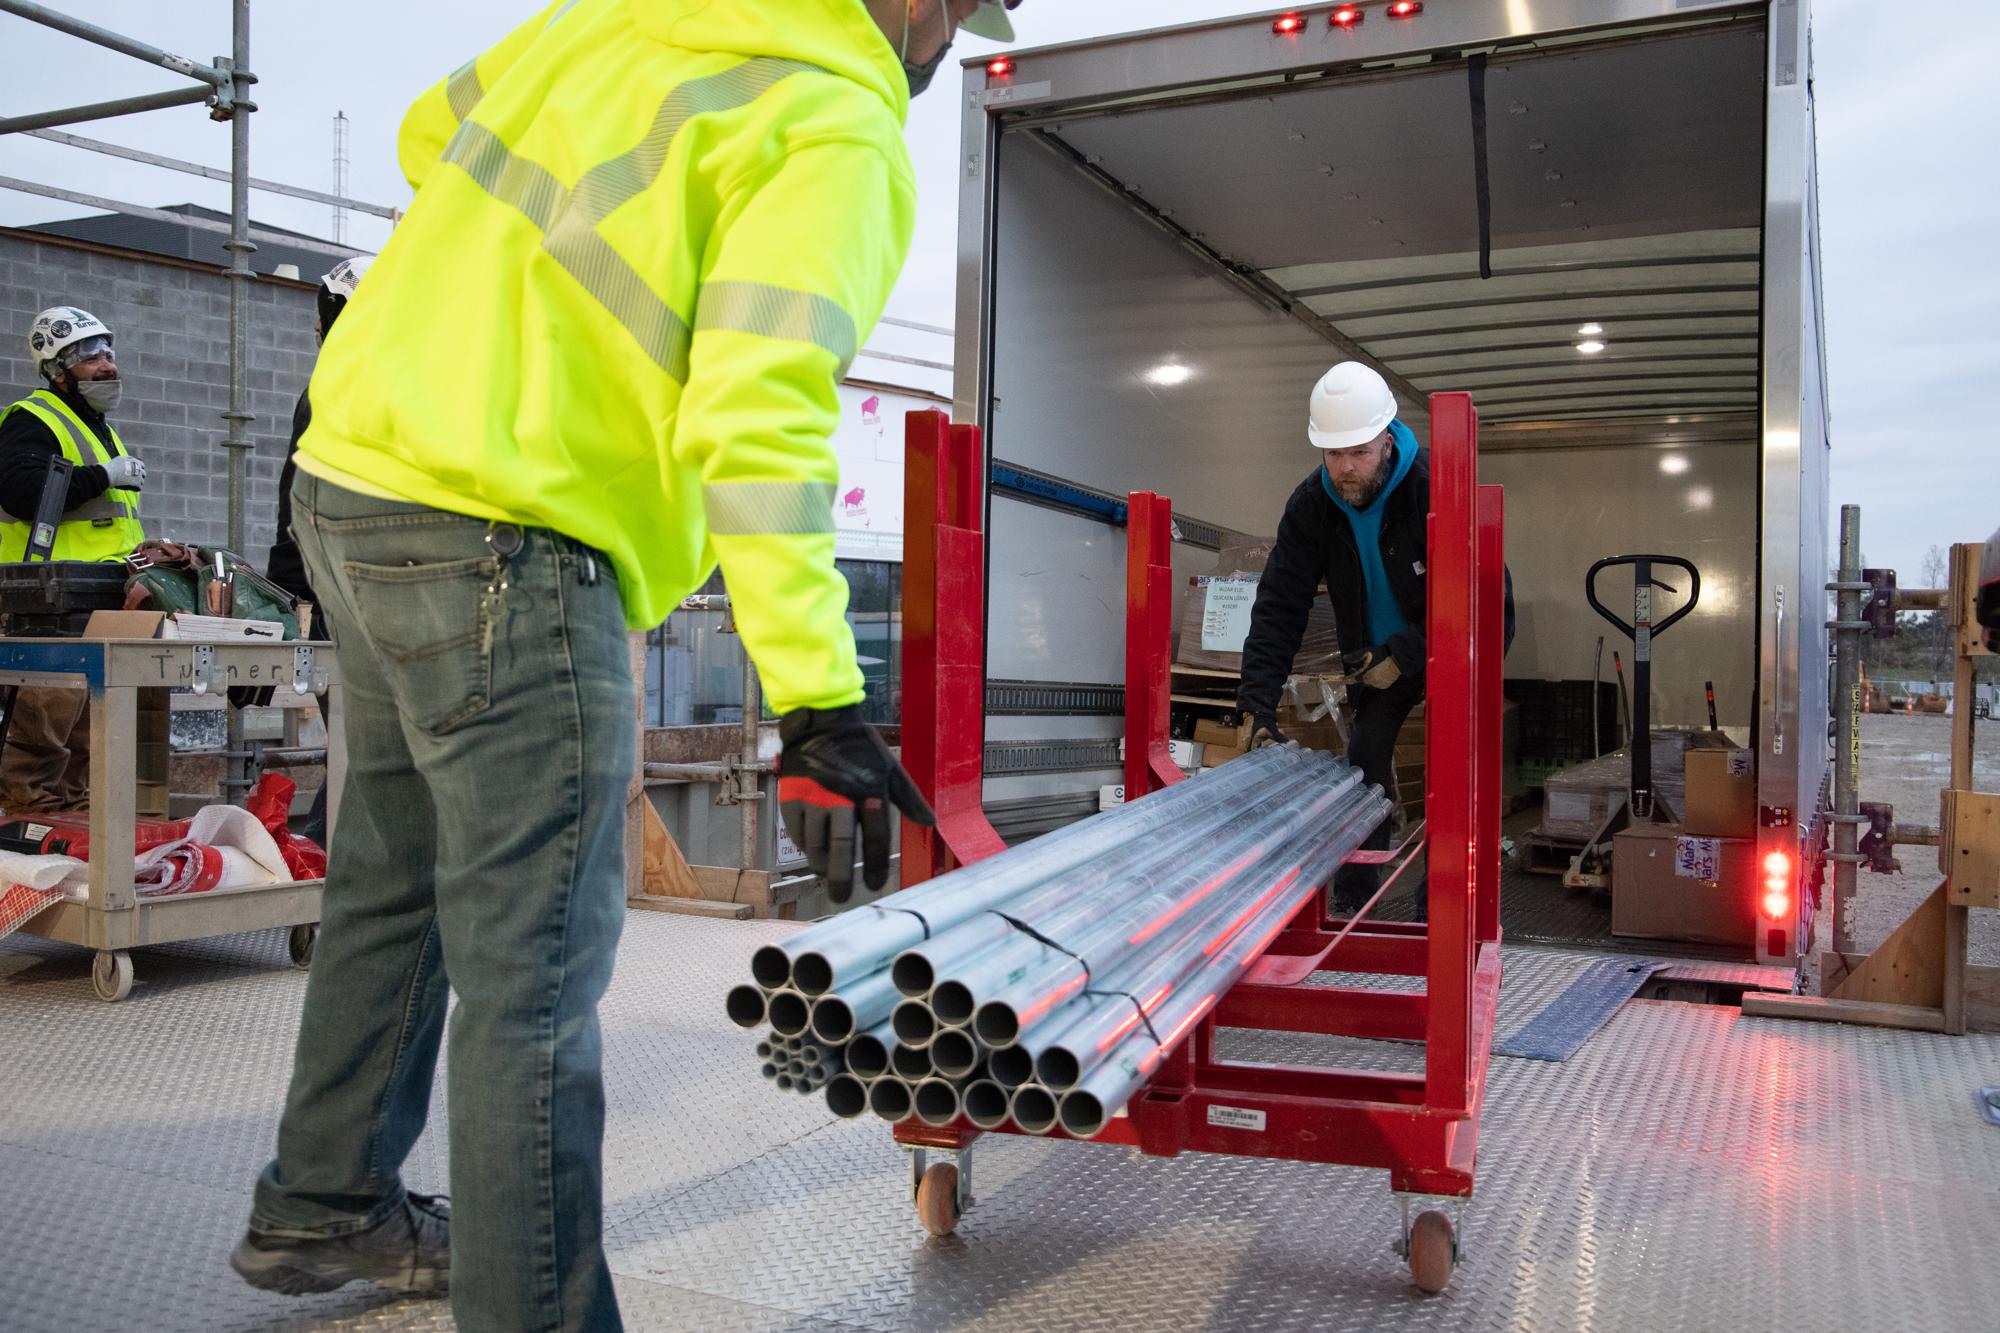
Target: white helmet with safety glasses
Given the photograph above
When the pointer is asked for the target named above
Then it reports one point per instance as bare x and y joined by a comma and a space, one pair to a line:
63, 335
1351, 405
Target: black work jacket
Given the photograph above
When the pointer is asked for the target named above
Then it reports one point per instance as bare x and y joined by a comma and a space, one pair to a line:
1316, 542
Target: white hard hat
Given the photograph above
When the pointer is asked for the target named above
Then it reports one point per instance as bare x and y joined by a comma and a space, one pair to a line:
991, 22
345, 276
1351, 405
61, 327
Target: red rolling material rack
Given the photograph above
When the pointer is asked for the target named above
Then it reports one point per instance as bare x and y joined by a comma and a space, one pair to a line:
1422, 1128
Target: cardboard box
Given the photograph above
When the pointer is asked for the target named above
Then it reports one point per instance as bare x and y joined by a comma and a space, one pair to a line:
1721, 797
123, 625
1667, 884
1220, 735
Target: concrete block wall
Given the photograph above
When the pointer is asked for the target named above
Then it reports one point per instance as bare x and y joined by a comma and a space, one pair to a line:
171, 323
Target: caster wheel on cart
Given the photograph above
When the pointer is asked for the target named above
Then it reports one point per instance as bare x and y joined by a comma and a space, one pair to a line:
301, 944
1433, 1252
937, 1199
111, 975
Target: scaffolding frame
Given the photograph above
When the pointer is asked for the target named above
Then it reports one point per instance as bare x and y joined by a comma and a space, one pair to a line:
223, 85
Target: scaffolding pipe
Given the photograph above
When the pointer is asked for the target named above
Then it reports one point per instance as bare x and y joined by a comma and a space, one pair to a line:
746, 790
1847, 707
213, 173
187, 220
237, 441
117, 106
51, 18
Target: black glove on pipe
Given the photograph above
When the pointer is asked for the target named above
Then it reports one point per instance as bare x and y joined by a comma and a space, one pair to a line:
835, 767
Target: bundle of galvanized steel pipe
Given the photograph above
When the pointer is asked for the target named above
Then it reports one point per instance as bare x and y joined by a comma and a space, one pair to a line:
1043, 986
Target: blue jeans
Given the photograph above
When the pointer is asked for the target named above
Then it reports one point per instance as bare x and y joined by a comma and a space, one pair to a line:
490, 726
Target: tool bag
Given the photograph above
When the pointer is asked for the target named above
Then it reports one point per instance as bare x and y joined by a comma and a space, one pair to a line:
171, 576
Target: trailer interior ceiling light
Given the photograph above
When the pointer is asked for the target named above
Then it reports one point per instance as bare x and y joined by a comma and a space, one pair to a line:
1169, 373
1590, 330
1000, 67
1347, 16
1288, 25
1404, 9
1590, 346
1674, 464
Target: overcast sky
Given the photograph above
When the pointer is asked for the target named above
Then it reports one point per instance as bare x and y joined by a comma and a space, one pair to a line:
1908, 111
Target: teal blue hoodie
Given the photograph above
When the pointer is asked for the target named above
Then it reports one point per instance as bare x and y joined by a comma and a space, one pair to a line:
1384, 616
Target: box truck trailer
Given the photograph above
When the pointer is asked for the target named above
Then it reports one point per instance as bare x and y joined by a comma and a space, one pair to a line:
1595, 216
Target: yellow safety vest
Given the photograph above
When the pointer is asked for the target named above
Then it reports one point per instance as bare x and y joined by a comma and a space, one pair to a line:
106, 528
646, 242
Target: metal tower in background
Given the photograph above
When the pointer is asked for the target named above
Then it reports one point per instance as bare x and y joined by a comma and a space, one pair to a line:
340, 176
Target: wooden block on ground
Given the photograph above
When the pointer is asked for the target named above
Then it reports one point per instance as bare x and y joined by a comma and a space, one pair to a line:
691, 907
1916, 1018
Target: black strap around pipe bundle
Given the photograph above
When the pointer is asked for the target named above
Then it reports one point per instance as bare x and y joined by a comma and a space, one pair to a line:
1481, 188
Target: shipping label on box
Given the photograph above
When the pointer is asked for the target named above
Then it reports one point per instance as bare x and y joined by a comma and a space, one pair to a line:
1739, 763
1698, 858
1225, 614
1111, 796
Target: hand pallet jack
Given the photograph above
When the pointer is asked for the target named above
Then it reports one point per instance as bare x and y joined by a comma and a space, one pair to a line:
1591, 867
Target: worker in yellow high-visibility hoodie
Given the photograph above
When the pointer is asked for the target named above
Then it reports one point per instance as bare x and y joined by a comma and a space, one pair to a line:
598, 356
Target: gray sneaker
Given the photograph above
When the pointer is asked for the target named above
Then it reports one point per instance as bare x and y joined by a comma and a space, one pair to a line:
409, 1251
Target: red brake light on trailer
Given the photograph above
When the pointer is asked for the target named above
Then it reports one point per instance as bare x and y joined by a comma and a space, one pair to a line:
1777, 885
1285, 25
1000, 67
1403, 9
1347, 16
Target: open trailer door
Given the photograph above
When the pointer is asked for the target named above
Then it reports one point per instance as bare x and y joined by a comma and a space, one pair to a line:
1594, 217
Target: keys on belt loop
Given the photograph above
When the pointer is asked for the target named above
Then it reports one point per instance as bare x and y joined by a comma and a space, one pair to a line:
504, 540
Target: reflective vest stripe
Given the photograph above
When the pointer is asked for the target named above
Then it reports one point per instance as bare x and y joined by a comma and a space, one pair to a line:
462, 90
106, 528
769, 508
778, 312
568, 218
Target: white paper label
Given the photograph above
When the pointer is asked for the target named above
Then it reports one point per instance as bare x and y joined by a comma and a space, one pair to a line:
1698, 858
39, 830
1739, 763
1110, 796
1236, 1117
1225, 615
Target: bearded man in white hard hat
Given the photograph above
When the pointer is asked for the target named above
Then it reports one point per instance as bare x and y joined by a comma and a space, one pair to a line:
1358, 523
47, 761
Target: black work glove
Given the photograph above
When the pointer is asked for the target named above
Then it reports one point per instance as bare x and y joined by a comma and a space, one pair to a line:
1375, 668
834, 765
1264, 731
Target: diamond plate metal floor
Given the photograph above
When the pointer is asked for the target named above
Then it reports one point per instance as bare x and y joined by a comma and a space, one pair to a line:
1688, 1169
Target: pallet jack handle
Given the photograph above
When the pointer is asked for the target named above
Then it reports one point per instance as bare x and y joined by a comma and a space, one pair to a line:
1642, 631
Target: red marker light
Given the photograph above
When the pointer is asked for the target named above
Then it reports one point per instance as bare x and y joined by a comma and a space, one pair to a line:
1000, 67
1777, 904
1777, 863
1403, 9
1347, 16
1285, 25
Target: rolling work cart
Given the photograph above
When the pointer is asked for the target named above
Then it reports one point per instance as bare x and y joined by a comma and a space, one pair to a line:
1422, 1127
114, 919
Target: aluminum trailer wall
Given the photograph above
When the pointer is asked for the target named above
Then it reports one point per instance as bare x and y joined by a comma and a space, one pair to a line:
1096, 255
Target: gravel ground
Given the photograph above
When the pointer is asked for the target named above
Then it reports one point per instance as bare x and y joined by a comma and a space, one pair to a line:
1905, 761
